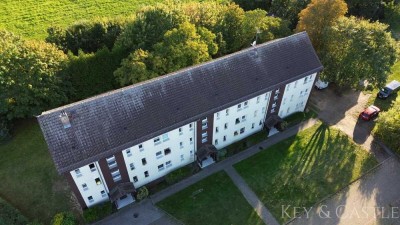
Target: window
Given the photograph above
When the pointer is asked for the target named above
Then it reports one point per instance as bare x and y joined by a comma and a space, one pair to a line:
288, 110
274, 104
157, 141
204, 134
135, 179
165, 137
272, 110
78, 173
128, 153
92, 167
217, 115
168, 164
141, 147
111, 162
242, 130
116, 176
276, 96
190, 127
237, 121
160, 167
216, 142
239, 107
216, 129
204, 124
284, 101
244, 118
246, 104
263, 110
287, 87
90, 198
227, 112
291, 98
146, 173
295, 84
266, 96
305, 92
167, 151
191, 140
103, 194
224, 138
204, 140
260, 123
226, 126
144, 162
252, 126
255, 113
132, 166
181, 144
180, 131
305, 79
277, 91
97, 181
182, 158
159, 154
85, 187
235, 133
258, 99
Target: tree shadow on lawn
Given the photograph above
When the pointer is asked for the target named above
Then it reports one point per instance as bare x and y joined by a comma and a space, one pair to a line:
302, 170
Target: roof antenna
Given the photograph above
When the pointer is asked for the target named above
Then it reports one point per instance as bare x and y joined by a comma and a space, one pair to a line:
255, 41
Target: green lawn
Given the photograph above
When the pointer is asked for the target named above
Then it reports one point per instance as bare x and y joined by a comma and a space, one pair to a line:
217, 201
28, 177
387, 103
304, 169
31, 18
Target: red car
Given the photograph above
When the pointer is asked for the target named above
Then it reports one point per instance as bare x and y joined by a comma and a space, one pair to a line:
370, 113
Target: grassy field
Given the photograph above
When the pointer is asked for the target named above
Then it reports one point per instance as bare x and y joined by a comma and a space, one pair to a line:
31, 18
387, 103
28, 177
303, 169
214, 200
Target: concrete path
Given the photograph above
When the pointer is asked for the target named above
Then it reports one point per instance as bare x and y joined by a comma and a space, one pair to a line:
159, 196
251, 197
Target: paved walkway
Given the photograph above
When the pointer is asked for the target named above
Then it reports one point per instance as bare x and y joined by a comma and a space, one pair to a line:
251, 197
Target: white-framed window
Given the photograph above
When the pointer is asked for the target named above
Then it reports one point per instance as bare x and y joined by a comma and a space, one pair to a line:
258, 99
216, 142
204, 134
277, 91
301, 93
128, 153
144, 161
168, 164
306, 91
217, 115
242, 130
140, 147
190, 127
227, 112
85, 187
291, 98
260, 123
305, 79
97, 181
287, 87
204, 124
216, 129
132, 166
180, 131
135, 179
103, 194
165, 137
156, 140
288, 110
191, 140
266, 96
224, 138
226, 126
167, 151
244, 118
182, 157
237, 121
272, 110
255, 113
263, 110
112, 163
252, 126
146, 174
239, 107
78, 173
116, 176
284, 101
90, 198
274, 104
246, 104
295, 84
92, 167
204, 140
181, 144
235, 133
160, 167
159, 154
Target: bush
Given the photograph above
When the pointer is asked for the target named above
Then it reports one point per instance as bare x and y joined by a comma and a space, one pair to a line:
142, 193
178, 175
10, 215
64, 218
4, 129
221, 154
97, 212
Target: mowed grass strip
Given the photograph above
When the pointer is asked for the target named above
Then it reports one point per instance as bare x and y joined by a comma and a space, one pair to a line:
31, 18
28, 177
214, 200
303, 169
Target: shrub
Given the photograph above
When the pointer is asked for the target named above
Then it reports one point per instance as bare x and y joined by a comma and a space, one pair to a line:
178, 174
97, 212
10, 215
142, 193
221, 154
4, 129
64, 218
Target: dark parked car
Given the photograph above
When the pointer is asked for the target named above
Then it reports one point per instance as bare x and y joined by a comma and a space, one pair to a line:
370, 113
389, 89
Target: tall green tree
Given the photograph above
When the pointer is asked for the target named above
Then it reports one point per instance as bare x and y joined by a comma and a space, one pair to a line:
31, 77
181, 47
356, 50
315, 24
288, 9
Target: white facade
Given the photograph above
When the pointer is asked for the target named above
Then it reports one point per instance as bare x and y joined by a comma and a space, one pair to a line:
90, 184
239, 121
151, 159
296, 95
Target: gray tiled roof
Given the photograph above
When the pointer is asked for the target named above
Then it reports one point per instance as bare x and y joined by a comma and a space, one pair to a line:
110, 122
